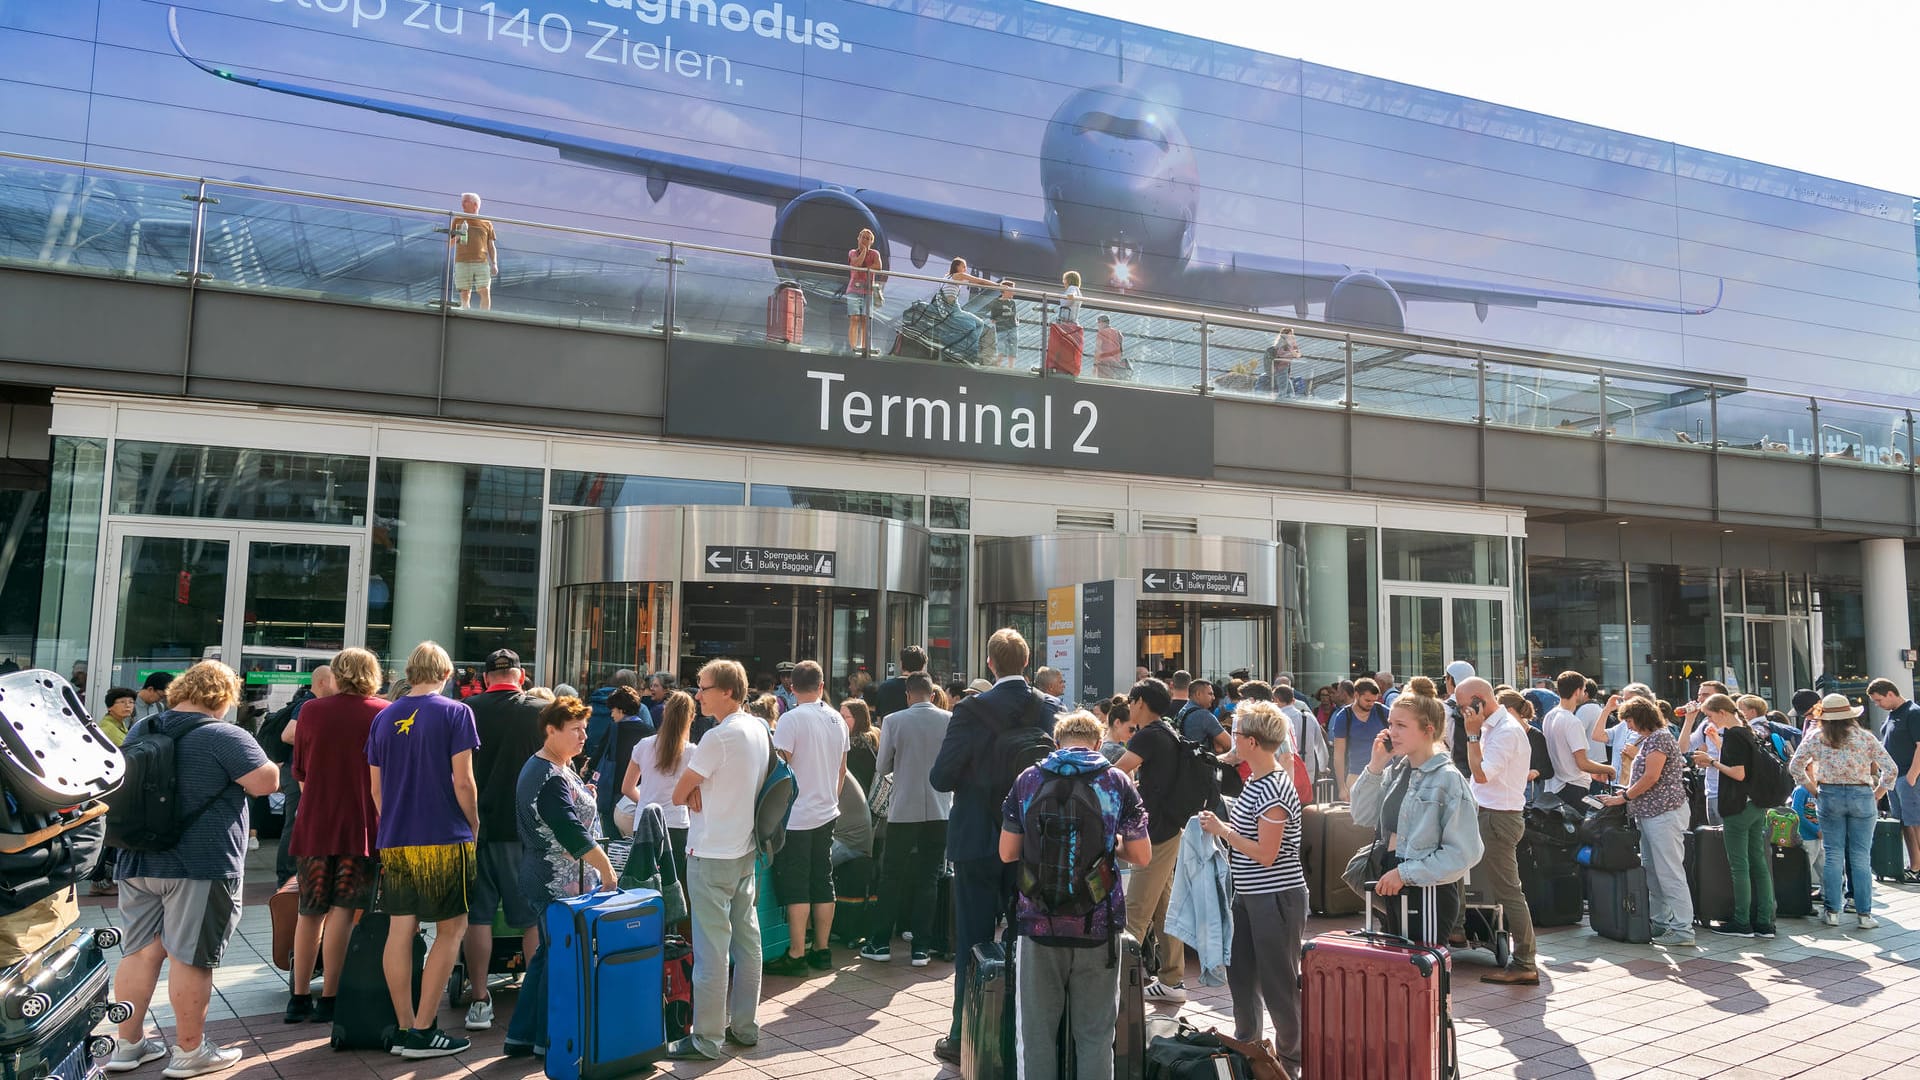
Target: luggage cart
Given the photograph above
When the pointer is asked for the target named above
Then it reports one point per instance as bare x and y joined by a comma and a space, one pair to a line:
1486, 921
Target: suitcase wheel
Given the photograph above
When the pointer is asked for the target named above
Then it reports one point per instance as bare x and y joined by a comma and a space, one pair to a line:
120, 1012
1502, 949
33, 1006
100, 1047
338, 1040
107, 937
96, 1012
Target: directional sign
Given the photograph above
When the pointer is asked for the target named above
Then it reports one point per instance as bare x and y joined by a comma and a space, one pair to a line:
1207, 582
775, 562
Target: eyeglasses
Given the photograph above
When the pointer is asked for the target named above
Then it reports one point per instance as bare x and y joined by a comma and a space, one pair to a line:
705, 688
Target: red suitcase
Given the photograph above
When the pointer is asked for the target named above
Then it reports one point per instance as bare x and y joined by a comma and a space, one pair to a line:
1374, 1005
1064, 346
787, 314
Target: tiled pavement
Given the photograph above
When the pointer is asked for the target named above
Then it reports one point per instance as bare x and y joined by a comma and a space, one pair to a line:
1819, 1002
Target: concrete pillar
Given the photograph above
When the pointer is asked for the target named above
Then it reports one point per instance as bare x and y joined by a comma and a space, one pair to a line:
1329, 608
426, 585
1883, 572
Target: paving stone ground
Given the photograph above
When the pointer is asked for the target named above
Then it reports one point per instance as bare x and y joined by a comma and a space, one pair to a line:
1819, 1002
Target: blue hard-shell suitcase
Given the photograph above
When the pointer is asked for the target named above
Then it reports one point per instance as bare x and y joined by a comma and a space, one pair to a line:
50, 1002
605, 983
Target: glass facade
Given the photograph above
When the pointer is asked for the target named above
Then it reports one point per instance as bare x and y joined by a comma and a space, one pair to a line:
1579, 620
1443, 558
908, 508
74, 494
1330, 599
608, 490
949, 602
221, 482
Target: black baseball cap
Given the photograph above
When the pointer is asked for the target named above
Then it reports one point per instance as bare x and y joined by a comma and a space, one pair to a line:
502, 660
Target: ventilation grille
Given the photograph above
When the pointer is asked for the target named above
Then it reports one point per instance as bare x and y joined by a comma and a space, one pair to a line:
1083, 520
1149, 523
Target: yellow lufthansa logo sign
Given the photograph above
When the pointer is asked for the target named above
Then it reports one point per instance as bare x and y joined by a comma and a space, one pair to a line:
1061, 616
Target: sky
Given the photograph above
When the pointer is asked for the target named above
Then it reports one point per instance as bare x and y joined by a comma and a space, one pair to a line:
1821, 88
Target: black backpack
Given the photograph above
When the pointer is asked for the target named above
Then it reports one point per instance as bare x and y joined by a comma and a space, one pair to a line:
1195, 785
1066, 858
1022, 744
1768, 784
144, 812
1540, 760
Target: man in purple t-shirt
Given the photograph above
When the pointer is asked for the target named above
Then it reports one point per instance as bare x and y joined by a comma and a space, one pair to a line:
420, 753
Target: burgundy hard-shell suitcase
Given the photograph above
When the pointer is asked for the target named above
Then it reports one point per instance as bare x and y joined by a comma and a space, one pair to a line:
787, 314
1065, 346
1374, 1004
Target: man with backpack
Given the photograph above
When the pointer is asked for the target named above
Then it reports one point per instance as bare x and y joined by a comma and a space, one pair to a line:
992, 738
180, 820
1196, 720
1063, 825
1178, 778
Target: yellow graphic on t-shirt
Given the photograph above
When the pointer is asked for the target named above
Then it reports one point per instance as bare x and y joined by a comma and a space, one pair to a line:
405, 727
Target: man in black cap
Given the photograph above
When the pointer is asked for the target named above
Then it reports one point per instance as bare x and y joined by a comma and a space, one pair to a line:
1804, 703
151, 698
784, 670
509, 724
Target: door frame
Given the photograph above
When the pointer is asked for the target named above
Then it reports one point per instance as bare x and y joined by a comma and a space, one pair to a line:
1446, 594
238, 537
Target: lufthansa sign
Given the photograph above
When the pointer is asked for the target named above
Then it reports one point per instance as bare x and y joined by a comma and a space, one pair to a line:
919, 408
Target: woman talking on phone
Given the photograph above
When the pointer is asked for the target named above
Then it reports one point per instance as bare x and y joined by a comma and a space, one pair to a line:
1425, 823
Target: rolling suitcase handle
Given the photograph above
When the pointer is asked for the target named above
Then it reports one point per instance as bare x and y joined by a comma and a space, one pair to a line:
1429, 925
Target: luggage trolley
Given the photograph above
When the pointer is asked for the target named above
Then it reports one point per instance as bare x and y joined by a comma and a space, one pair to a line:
1486, 921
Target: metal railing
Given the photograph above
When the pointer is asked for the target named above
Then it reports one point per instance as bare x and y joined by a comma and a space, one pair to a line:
205, 233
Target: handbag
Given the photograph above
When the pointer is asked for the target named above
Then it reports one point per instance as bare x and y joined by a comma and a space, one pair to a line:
1261, 1062
881, 800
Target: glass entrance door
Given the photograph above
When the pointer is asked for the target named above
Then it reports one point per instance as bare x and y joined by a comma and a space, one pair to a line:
1429, 628
273, 603
1759, 652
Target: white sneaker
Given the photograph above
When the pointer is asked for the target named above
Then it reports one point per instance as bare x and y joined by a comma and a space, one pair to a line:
1868, 922
128, 1056
1830, 917
906, 935
211, 1057
480, 1015
253, 843
1159, 991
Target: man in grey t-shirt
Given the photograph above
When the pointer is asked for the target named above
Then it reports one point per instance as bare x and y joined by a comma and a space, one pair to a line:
916, 847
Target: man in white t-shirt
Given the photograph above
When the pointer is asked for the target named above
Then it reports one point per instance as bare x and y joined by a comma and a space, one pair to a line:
1568, 741
721, 787
813, 740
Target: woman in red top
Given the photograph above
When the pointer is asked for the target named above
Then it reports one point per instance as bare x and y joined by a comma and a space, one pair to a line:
861, 285
333, 833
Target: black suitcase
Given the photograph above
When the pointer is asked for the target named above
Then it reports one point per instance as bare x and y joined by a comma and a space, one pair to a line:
1889, 856
1792, 883
1617, 905
1709, 875
51, 1001
1550, 878
986, 1015
42, 854
363, 1014
940, 944
52, 755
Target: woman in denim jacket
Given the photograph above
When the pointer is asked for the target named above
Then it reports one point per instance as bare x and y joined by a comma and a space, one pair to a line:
1426, 823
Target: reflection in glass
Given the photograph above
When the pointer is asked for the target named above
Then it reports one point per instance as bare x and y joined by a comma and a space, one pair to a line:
1330, 598
909, 508
1579, 619
73, 543
223, 482
947, 605
604, 628
1478, 637
1843, 645
1416, 642
1443, 558
608, 490
1027, 617
1676, 623
170, 606
81, 222
949, 512
297, 597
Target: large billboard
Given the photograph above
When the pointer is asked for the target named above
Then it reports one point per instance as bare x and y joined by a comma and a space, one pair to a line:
1025, 138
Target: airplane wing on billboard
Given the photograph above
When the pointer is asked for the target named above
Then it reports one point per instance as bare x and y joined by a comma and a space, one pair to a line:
992, 240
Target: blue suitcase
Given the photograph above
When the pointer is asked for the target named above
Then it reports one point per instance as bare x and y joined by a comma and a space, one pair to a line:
606, 994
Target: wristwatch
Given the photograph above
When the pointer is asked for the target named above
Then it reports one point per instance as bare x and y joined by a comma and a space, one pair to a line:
1473, 738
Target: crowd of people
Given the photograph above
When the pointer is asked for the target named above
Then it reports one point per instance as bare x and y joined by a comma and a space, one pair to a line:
452, 804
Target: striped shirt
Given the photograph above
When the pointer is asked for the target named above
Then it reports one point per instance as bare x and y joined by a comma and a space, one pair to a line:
1273, 789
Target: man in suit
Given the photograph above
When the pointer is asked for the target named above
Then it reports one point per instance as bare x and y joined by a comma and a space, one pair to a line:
889, 696
982, 884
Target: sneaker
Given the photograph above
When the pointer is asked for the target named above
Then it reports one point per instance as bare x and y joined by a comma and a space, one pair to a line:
1847, 908
480, 1015
299, 1009
393, 1039
1732, 929
128, 1056
947, 1049
688, 1050
209, 1057
789, 965
919, 958
879, 954
1674, 939
1868, 922
1830, 917
431, 1043
1765, 931
253, 843
323, 1010
1513, 975
1159, 991
102, 888
820, 959
1910, 877
516, 1049
734, 1038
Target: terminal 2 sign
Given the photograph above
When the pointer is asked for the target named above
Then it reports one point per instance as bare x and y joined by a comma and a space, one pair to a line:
915, 408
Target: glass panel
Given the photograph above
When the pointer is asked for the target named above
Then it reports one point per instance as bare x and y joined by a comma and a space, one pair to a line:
1396, 379
1299, 368
78, 481
949, 512
319, 249
947, 605
1732, 592
1542, 399
78, 221
1658, 411
607, 490
909, 508
1416, 644
1522, 608
758, 625
1756, 422
903, 629
1739, 659
170, 606
853, 657
1114, 349
1331, 602
1029, 618
1766, 592
270, 677
1764, 654
1443, 558
555, 276
604, 628
297, 597
1232, 640
1479, 636
455, 558
180, 480
1843, 648
725, 297
23, 521
1164, 646
1874, 435
1579, 619
1676, 632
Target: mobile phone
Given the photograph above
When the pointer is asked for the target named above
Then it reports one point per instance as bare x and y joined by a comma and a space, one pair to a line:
1594, 803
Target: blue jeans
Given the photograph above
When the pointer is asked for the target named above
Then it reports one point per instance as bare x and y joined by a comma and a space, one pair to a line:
1847, 814
529, 1024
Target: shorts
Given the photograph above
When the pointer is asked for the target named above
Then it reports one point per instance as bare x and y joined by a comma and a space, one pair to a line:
803, 870
432, 883
856, 305
335, 881
469, 276
1905, 798
496, 886
192, 920
1008, 341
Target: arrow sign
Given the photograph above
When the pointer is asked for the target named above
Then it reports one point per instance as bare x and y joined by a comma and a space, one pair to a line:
717, 557
1152, 580
770, 561
1192, 582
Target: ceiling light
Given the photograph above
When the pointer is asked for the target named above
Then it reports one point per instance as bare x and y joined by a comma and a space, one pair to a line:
1623, 523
